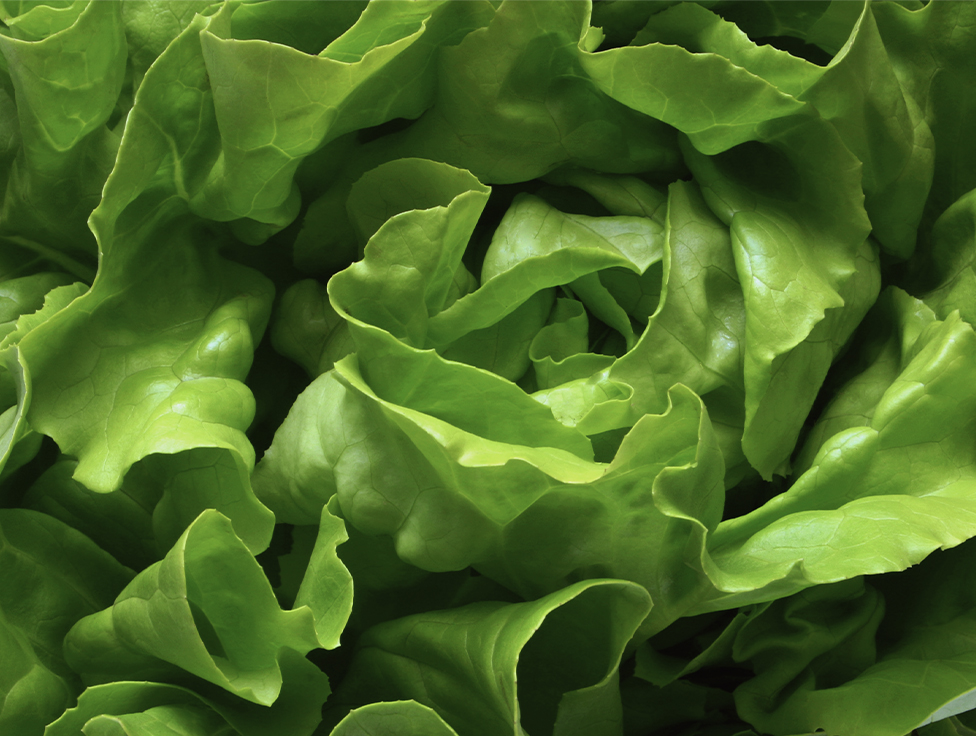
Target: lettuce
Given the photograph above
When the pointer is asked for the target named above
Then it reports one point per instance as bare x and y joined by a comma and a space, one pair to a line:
486, 367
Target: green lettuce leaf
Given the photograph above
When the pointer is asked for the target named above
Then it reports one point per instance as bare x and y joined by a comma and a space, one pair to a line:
559, 351
159, 498
857, 92
452, 497
50, 577
809, 213
892, 485
128, 707
307, 28
950, 279
397, 718
536, 110
308, 330
398, 286
120, 522
545, 666
66, 149
299, 473
26, 302
230, 634
536, 247
150, 27
803, 303
183, 131
695, 337
937, 80
900, 646
612, 347
154, 370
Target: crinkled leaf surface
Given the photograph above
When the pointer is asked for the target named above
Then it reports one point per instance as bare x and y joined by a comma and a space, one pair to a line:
536, 247
950, 275
532, 518
857, 92
811, 216
536, 109
576, 310
153, 369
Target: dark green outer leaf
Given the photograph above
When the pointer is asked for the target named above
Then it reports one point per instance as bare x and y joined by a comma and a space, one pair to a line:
50, 577
490, 668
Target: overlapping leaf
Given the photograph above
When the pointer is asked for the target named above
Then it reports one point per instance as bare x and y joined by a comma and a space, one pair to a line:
50, 577
594, 367
894, 483
546, 666
232, 635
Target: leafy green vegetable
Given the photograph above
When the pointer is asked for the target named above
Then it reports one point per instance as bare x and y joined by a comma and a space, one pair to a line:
51, 576
549, 664
488, 367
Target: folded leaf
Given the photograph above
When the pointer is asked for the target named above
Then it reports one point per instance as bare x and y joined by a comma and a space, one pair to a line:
536, 109
789, 189
159, 498
119, 522
417, 237
695, 337
150, 27
883, 493
230, 634
822, 656
154, 369
308, 330
545, 666
533, 518
309, 29
23, 302
559, 350
857, 92
536, 247
132, 706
